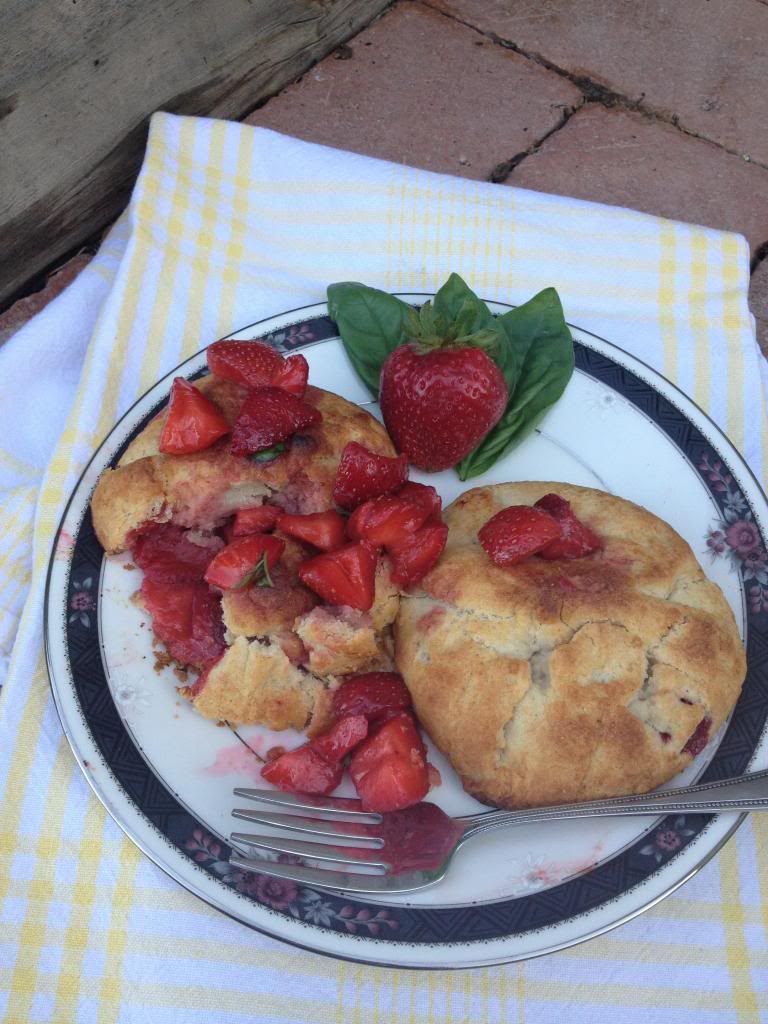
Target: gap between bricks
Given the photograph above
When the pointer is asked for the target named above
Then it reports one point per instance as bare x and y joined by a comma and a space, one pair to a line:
591, 92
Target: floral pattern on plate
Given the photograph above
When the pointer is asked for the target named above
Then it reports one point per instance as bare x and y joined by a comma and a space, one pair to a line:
284, 895
735, 536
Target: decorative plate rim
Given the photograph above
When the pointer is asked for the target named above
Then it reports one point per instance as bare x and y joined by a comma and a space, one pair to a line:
316, 310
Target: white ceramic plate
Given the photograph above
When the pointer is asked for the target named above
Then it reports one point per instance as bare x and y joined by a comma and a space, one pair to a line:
166, 775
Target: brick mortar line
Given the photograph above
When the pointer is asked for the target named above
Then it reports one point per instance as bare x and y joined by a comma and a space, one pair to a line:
760, 256
502, 171
592, 91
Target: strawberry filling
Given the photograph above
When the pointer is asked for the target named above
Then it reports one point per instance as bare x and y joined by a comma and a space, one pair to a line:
343, 577
373, 724
252, 364
260, 519
246, 560
699, 738
343, 736
268, 417
549, 529
166, 554
186, 617
324, 530
362, 475
387, 520
576, 540
303, 771
516, 533
414, 556
193, 422
389, 769
293, 375
371, 694
408, 526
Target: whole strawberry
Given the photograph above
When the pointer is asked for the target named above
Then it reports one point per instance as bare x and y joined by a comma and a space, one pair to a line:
439, 403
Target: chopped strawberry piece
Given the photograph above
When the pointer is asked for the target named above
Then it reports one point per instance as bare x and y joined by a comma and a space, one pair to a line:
343, 736
576, 540
423, 494
324, 530
372, 694
200, 683
165, 553
516, 533
389, 769
303, 771
246, 560
193, 421
413, 557
388, 519
343, 577
261, 519
269, 416
292, 375
699, 738
362, 475
186, 617
253, 364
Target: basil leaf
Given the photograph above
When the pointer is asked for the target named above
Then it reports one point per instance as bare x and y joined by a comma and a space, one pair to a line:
455, 300
371, 323
539, 354
473, 322
269, 454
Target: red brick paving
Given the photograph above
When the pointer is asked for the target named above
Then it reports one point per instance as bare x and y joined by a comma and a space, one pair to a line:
421, 89
615, 156
705, 62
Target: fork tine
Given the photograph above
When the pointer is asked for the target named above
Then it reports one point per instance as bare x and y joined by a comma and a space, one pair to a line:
321, 878
317, 851
315, 826
349, 808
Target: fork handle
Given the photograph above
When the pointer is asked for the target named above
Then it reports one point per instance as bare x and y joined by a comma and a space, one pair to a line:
744, 793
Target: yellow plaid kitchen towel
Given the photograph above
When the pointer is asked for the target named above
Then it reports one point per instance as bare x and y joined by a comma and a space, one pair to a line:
229, 224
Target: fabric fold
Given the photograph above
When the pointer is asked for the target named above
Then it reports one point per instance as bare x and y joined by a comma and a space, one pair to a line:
229, 224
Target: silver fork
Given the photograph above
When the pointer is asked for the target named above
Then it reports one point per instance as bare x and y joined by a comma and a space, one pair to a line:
413, 849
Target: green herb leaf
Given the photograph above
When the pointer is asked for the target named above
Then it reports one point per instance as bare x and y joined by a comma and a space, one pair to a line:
262, 570
259, 575
371, 323
456, 302
538, 357
269, 454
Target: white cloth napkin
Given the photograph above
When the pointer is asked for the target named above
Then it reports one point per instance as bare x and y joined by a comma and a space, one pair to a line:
229, 224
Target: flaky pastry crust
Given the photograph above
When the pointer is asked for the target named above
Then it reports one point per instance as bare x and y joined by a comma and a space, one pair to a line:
284, 655
554, 681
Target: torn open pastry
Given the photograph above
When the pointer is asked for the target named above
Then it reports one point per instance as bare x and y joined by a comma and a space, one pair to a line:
556, 680
265, 654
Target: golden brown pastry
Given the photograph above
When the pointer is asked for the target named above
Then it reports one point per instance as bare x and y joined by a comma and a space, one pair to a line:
200, 490
553, 681
284, 652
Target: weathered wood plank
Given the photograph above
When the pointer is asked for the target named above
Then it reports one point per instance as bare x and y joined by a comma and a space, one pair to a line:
79, 79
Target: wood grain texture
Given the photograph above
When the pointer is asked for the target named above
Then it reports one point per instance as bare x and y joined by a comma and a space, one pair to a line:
79, 79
